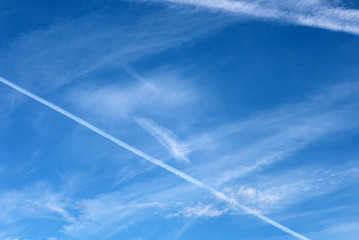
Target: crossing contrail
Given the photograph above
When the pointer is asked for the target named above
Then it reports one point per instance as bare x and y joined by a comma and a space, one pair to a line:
234, 203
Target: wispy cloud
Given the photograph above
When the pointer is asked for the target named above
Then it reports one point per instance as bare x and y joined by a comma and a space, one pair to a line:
97, 44
121, 101
306, 13
34, 201
105, 215
270, 160
178, 149
112, 212
201, 210
232, 202
276, 135
347, 230
141, 79
268, 193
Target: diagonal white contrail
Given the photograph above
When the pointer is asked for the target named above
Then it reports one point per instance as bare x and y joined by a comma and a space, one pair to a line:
234, 203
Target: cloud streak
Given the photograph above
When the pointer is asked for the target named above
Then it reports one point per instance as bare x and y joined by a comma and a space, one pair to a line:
121, 101
233, 203
164, 136
305, 13
97, 45
277, 135
34, 201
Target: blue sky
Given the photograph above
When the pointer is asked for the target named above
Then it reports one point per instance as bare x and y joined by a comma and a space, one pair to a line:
256, 100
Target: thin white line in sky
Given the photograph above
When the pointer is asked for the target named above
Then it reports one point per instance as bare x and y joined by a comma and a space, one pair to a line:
234, 203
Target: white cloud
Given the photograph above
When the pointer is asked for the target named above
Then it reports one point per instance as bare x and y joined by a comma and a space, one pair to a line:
239, 149
178, 149
100, 39
307, 13
269, 193
201, 210
120, 101
104, 215
110, 213
36, 201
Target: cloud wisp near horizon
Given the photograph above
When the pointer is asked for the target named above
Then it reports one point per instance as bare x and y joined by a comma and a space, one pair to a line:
234, 203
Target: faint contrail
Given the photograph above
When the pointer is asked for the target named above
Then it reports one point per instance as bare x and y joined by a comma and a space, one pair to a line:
234, 203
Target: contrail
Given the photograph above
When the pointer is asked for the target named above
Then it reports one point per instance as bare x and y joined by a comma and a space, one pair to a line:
234, 203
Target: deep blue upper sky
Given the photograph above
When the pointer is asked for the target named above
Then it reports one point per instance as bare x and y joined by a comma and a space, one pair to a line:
259, 100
